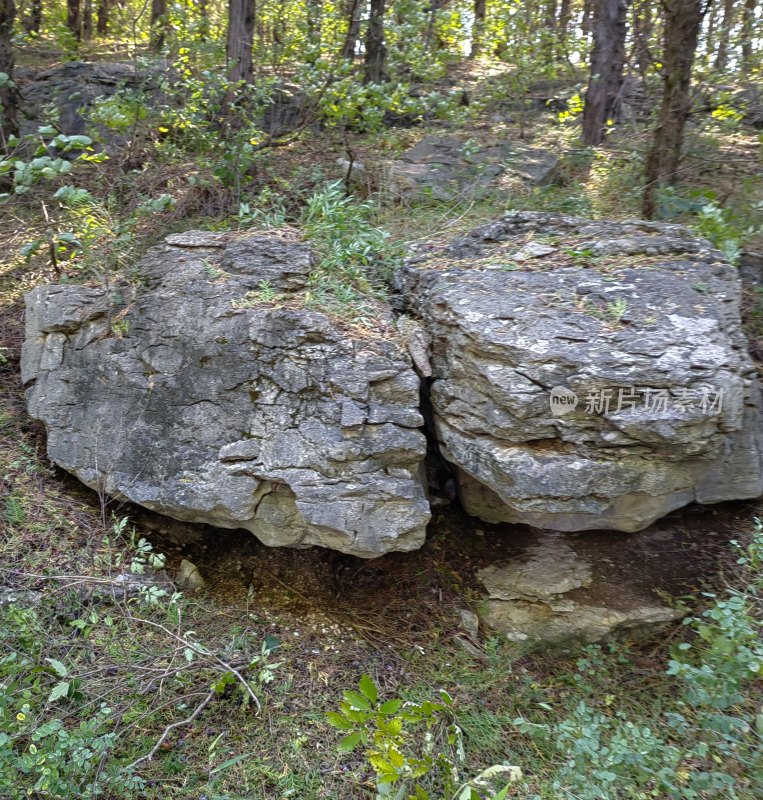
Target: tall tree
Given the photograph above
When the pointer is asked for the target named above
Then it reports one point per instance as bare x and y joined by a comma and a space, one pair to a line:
73, 20
238, 51
376, 50
748, 27
478, 27
643, 27
87, 20
607, 61
353, 29
158, 24
563, 26
32, 21
683, 19
722, 56
102, 26
8, 98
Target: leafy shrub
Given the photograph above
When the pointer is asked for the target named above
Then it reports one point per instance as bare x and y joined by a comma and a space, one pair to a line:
355, 257
707, 744
407, 741
43, 751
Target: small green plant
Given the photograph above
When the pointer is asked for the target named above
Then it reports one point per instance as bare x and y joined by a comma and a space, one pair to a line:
355, 258
406, 742
616, 310
46, 749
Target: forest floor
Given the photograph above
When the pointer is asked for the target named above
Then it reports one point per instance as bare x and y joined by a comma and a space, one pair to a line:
332, 617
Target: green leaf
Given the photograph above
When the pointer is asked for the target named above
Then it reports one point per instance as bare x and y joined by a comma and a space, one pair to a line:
229, 763
58, 667
368, 688
350, 742
339, 721
357, 700
390, 707
60, 690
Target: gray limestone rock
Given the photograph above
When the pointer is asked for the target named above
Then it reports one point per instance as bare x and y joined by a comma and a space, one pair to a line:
636, 325
553, 596
447, 168
73, 89
195, 399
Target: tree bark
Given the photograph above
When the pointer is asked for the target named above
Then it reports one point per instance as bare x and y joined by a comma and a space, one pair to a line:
8, 96
478, 28
353, 29
683, 19
376, 51
32, 21
722, 58
748, 25
102, 26
158, 24
87, 20
643, 27
240, 40
73, 20
607, 61
563, 24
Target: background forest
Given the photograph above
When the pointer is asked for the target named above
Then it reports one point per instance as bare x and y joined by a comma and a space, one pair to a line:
293, 113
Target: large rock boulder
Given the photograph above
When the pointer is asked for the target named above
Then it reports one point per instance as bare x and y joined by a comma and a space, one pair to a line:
587, 374
447, 168
73, 88
206, 399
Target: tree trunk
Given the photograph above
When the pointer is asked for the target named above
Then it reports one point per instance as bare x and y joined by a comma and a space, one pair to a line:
563, 25
376, 52
429, 36
8, 97
607, 60
314, 10
32, 21
73, 21
102, 26
240, 40
712, 25
158, 24
722, 58
683, 19
203, 27
87, 20
748, 25
353, 29
478, 28
643, 27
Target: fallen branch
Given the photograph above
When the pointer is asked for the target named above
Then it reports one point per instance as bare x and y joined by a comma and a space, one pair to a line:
179, 724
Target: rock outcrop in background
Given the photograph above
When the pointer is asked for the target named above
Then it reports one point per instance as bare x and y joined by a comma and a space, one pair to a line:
197, 399
633, 329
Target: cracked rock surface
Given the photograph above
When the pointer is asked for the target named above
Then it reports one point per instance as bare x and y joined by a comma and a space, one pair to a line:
637, 324
195, 399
